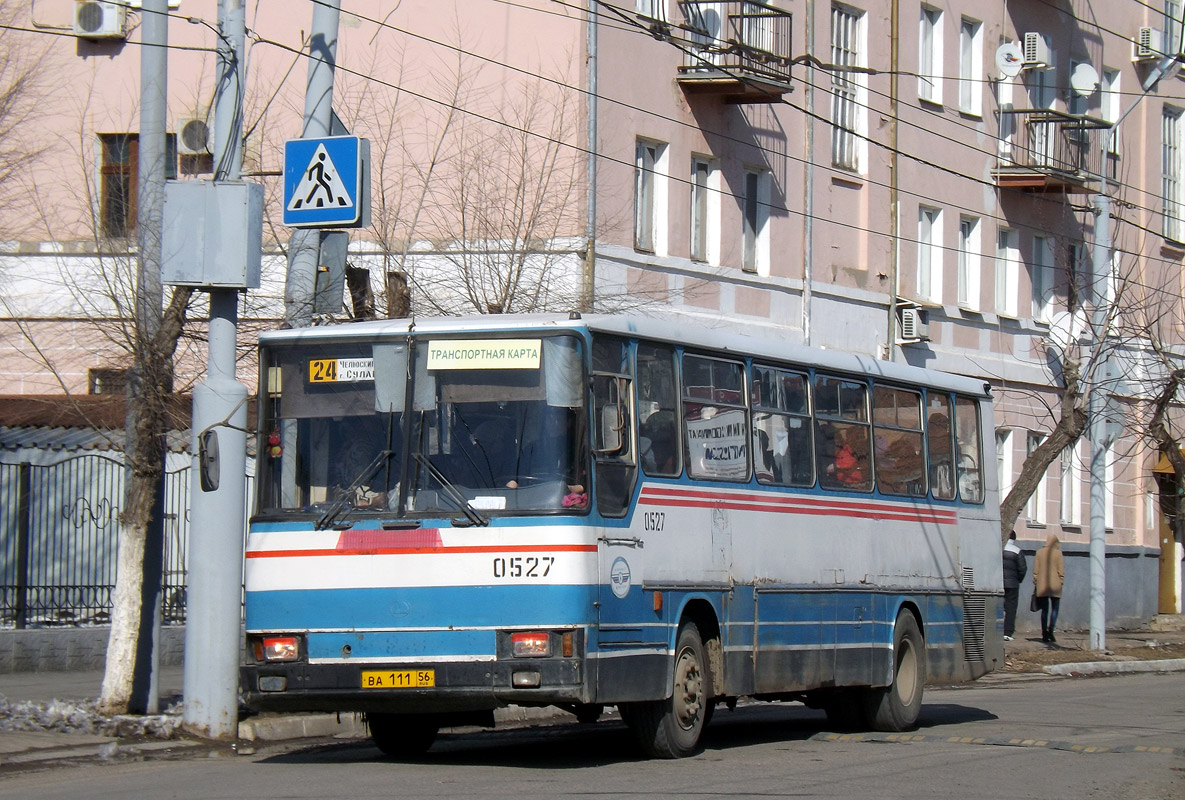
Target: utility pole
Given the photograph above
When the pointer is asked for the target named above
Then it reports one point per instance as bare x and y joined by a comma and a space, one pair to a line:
305, 245
214, 598
144, 696
589, 284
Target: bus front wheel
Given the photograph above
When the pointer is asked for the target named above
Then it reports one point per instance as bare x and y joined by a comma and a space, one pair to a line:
671, 728
402, 735
896, 707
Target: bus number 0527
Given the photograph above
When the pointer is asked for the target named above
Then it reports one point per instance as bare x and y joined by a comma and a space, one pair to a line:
523, 567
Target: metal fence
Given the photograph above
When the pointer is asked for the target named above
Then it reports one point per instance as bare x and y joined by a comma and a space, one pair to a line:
59, 540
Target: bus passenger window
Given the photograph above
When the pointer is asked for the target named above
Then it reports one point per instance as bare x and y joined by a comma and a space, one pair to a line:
842, 435
940, 446
970, 453
715, 419
897, 426
658, 411
782, 447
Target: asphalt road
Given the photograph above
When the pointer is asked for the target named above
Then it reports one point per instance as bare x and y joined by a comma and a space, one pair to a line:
1113, 737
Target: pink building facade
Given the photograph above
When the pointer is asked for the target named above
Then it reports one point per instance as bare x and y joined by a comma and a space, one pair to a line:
908, 180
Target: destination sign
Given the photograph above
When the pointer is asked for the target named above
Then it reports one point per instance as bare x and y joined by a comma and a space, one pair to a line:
341, 370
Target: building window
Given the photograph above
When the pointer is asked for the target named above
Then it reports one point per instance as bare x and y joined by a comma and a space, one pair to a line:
649, 197
930, 254
1041, 272
1007, 272
970, 66
651, 9
930, 55
1004, 461
704, 203
1170, 173
1071, 513
847, 88
969, 263
119, 155
1036, 506
1172, 27
756, 231
107, 381
1109, 107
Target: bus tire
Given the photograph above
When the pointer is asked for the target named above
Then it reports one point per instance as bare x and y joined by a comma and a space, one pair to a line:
402, 735
671, 728
896, 707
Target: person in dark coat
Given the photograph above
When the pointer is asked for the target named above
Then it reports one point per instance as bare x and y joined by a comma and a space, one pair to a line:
1015, 569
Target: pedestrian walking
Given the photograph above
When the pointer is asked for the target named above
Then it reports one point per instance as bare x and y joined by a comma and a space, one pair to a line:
1015, 569
1049, 573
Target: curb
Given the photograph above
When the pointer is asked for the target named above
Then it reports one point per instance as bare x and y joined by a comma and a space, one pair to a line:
1109, 667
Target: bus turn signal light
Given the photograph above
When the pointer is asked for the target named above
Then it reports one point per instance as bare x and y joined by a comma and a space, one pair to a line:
534, 644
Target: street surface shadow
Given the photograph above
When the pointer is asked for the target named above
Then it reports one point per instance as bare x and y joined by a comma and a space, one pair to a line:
571, 745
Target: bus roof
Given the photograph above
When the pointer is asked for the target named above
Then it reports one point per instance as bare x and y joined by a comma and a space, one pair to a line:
696, 337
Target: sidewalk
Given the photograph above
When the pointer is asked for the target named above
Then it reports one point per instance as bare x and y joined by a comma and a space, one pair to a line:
29, 700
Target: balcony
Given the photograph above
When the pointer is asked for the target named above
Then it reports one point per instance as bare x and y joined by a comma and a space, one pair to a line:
1043, 150
738, 50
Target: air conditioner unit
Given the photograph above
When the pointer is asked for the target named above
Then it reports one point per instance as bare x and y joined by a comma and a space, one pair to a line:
94, 19
1037, 53
913, 325
193, 137
1148, 45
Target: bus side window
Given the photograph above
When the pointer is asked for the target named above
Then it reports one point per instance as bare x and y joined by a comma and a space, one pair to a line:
939, 446
658, 410
782, 447
970, 453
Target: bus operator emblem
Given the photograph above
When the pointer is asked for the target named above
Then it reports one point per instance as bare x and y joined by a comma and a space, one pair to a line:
619, 577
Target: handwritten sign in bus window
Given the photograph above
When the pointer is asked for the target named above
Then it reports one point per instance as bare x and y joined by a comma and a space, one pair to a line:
341, 370
484, 354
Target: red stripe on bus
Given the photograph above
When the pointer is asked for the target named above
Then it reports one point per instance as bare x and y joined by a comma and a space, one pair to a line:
791, 505
400, 551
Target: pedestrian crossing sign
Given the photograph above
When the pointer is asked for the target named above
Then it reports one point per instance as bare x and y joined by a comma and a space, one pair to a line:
327, 182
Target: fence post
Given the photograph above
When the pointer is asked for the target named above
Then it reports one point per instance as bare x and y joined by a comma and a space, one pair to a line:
22, 544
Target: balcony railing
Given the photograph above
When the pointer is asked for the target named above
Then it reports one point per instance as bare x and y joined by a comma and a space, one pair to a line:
1042, 149
738, 49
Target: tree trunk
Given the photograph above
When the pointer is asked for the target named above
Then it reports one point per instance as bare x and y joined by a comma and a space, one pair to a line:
1070, 425
146, 467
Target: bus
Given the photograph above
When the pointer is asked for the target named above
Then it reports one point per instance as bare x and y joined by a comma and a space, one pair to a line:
455, 515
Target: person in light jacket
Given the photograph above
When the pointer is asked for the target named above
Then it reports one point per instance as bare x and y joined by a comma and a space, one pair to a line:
1015, 569
1049, 573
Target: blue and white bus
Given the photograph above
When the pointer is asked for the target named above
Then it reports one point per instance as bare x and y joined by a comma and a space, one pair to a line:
459, 514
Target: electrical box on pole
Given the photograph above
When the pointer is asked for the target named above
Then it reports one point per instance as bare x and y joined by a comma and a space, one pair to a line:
213, 234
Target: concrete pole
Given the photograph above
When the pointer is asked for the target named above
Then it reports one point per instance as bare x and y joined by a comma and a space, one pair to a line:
1101, 269
145, 695
305, 245
214, 599
589, 283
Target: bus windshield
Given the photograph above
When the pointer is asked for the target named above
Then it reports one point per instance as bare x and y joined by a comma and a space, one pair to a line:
425, 428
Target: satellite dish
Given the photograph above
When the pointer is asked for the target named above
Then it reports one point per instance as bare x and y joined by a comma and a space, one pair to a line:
1084, 80
1009, 59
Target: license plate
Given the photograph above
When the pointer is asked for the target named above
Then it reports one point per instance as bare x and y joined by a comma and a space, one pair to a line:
398, 679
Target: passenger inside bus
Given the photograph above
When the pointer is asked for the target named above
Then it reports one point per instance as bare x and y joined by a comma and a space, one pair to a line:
656, 443
845, 466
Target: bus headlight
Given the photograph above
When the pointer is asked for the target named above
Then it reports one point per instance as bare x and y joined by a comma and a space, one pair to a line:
532, 644
276, 648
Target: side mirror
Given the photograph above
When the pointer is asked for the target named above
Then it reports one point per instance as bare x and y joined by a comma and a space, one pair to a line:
208, 461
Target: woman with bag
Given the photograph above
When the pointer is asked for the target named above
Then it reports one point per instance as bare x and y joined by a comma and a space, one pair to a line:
1049, 574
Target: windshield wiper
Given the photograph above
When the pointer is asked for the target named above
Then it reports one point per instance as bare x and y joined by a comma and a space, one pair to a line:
332, 513
452, 492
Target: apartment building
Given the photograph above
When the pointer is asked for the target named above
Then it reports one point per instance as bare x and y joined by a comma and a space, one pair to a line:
914, 181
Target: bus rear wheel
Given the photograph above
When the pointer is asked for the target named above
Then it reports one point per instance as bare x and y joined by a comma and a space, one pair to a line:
402, 735
671, 728
896, 707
